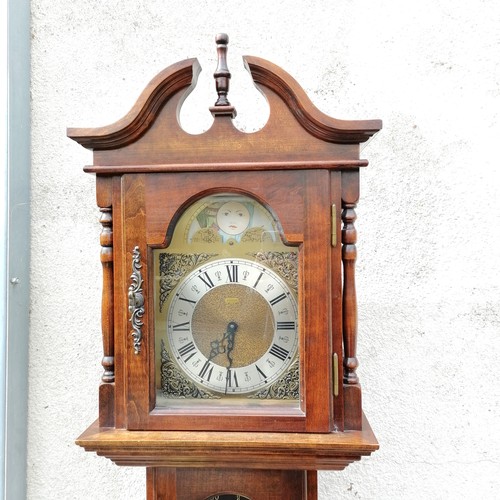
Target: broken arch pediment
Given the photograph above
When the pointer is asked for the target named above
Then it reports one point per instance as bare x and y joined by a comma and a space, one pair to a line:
295, 131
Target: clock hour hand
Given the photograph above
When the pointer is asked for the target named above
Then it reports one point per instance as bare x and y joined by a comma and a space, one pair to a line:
216, 347
225, 345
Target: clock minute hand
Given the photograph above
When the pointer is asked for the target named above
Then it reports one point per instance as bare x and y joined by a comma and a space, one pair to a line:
229, 336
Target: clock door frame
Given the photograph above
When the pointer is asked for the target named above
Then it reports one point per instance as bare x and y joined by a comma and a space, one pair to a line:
301, 200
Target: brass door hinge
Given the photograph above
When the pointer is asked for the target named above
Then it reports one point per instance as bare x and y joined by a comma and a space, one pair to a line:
334, 225
335, 373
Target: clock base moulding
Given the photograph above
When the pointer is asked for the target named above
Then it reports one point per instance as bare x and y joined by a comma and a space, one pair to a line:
248, 450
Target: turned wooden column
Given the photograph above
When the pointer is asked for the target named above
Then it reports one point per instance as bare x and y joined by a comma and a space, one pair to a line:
352, 389
106, 389
106, 240
349, 302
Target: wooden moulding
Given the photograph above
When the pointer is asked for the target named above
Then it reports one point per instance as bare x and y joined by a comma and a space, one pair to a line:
248, 450
238, 166
150, 139
182, 75
317, 123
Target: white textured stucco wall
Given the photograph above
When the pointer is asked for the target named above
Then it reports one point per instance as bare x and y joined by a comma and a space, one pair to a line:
428, 219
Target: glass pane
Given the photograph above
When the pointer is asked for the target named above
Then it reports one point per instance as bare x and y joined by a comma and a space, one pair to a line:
226, 314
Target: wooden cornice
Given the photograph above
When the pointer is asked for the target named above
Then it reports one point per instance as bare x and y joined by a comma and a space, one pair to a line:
184, 75
137, 121
311, 118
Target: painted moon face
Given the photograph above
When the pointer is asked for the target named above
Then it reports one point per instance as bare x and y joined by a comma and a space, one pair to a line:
233, 217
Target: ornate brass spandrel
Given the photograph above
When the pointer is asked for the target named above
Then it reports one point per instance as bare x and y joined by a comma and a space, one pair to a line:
173, 267
287, 387
175, 385
283, 263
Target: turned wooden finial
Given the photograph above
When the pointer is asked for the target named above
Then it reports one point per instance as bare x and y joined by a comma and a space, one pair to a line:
222, 106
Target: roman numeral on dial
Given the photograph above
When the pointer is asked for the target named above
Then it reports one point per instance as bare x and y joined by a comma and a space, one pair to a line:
232, 273
277, 299
188, 300
206, 371
188, 350
231, 378
258, 279
285, 325
181, 327
207, 280
262, 375
279, 352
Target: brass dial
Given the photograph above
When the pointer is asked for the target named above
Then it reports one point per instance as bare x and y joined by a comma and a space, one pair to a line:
247, 309
232, 326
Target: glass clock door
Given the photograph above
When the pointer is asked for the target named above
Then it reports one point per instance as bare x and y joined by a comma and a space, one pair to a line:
225, 308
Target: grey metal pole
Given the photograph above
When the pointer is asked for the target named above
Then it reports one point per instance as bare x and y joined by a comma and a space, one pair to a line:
3, 230
15, 253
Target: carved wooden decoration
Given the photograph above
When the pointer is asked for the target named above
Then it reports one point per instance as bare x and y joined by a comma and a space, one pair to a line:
107, 296
300, 175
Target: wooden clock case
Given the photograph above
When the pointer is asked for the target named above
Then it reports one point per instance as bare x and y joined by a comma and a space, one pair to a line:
304, 166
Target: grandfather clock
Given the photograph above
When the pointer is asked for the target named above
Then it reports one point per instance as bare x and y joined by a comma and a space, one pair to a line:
229, 303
